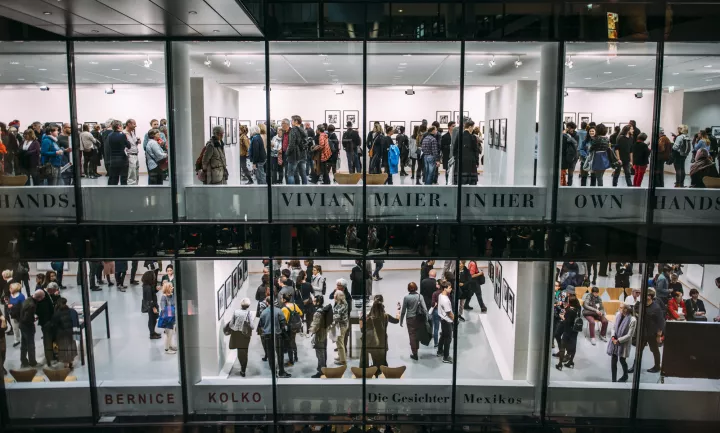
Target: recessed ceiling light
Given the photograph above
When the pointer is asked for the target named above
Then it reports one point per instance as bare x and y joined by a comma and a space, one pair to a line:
648, 79
47, 13
42, 69
479, 64
588, 78
133, 75
708, 66
21, 79
629, 84
407, 55
216, 31
248, 63
192, 12
95, 31
330, 70
93, 63
607, 72
14, 63
709, 79
537, 72
403, 64
676, 73
469, 71
631, 66
524, 77
400, 10
115, 69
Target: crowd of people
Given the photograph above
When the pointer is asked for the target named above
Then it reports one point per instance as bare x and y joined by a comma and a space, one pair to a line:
626, 150
300, 154
43, 152
664, 302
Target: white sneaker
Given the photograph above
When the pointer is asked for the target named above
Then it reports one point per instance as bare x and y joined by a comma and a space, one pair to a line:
593, 341
170, 351
603, 338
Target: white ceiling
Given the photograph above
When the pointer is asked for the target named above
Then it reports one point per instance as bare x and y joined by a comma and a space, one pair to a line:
692, 67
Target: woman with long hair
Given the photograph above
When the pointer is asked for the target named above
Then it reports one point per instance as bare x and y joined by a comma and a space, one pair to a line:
241, 327
620, 344
29, 157
375, 333
704, 166
568, 341
600, 154
413, 305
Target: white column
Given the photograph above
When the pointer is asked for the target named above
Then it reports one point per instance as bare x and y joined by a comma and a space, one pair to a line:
548, 108
182, 141
531, 311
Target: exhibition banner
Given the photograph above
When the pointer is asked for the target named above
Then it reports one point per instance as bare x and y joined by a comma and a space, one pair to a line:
594, 204
589, 399
497, 203
127, 203
219, 396
37, 203
686, 206
226, 203
32, 400
136, 398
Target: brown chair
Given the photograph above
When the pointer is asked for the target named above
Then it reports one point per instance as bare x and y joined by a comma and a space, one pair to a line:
58, 375
348, 178
711, 182
392, 372
369, 372
614, 293
611, 309
18, 180
376, 179
580, 291
333, 372
23, 375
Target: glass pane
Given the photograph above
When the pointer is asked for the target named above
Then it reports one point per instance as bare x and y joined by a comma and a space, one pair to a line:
316, 93
679, 378
413, 95
140, 296
608, 104
222, 140
593, 325
37, 72
505, 140
46, 358
224, 341
689, 149
124, 137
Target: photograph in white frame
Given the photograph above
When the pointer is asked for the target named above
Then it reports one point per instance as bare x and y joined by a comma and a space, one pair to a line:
350, 116
332, 117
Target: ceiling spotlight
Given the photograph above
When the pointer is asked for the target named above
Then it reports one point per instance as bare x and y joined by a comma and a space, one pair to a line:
491, 63
565, 93
410, 91
676, 73
14, 63
216, 31
569, 62
93, 63
110, 90
518, 62
47, 13
192, 12
147, 62
479, 64
42, 69
400, 10
639, 94
44, 88
631, 66
708, 66
671, 89
21, 79
207, 61
226, 62
339, 90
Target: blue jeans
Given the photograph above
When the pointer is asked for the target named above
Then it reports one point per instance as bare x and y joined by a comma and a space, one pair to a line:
296, 168
436, 325
261, 173
430, 169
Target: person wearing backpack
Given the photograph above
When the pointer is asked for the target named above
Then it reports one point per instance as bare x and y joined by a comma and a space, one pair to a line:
641, 159
293, 315
623, 152
393, 159
680, 151
322, 320
297, 152
569, 154
403, 145
213, 168
569, 328
240, 328
351, 143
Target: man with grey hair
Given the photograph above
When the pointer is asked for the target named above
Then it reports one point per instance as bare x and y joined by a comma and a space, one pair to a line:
341, 285
214, 164
132, 153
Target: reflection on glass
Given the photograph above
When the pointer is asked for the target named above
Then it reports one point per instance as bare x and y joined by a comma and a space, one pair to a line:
45, 353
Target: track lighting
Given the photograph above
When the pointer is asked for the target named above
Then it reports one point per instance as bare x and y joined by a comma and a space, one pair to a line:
518, 62
44, 88
339, 90
491, 63
226, 62
147, 62
109, 90
207, 61
565, 93
569, 62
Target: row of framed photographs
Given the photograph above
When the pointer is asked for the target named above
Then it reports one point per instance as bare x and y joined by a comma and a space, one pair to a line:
231, 126
579, 118
444, 117
504, 295
498, 133
230, 288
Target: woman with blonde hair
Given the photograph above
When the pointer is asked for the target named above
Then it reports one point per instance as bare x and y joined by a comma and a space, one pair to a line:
240, 328
167, 316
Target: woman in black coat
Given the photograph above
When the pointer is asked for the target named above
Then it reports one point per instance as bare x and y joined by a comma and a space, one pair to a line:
704, 166
568, 342
150, 302
29, 157
375, 333
470, 155
64, 320
117, 161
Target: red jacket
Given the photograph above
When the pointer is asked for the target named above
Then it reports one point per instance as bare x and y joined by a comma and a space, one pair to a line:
672, 313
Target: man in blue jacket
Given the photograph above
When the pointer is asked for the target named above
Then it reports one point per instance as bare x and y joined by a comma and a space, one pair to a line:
50, 152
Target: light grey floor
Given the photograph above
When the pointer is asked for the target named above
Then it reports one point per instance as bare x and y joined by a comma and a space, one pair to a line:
129, 354
473, 349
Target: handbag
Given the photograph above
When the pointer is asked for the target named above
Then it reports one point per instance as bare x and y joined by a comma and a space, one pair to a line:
45, 171
167, 318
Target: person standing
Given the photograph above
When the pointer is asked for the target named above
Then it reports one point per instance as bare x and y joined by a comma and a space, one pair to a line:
88, 145
244, 153
274, 318
351, 143
321, 154
470, 155
375, 333
29, 157
413, 306
64, 320
428, 286
156, 158
680, 150
132, 152
64, 141
322, 319
258, 154
431, 153
44, 311
294, 318
341, 317
403, 145
117, 157
27, 331
167, 317
447, 317
640, 159
241, 330
653, 324
14, 307
150, 302
52, 154
620, 345
445, 141
664, 154
477, 279
297, 153
568, 333
623, 152
276, 145
214, 164
121, 268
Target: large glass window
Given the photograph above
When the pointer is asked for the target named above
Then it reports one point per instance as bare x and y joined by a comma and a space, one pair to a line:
124, 136
607, 128
34, 75
44, 352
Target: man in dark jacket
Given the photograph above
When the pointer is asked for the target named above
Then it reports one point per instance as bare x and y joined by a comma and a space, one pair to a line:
357, 280
569, 153
653, 325
445, 144
297, 152
428, 286
44, 311
27, 332
351, 143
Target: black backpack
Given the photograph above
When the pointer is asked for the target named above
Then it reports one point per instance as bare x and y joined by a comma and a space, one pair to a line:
347, 141
333, 143
295, 322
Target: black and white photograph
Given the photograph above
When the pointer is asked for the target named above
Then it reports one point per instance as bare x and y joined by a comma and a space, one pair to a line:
247, 123
372, 123
610, 127
491, 133
503, 133
715, 130
235, 282
350, 116
221, 122
332, 117
220, 301
413, 124
456, 117
311, 123
569, 117
443, 117
510, 303
213, 122
496, 138
228, 130
498, 280
584, 117
228, 292
234, 131
505, 288
396, 124
491, 271
481, 125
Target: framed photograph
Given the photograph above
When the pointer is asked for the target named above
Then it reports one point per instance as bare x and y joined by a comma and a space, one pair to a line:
332, 117
498, 281
221, 122
505, 288
396, 124
258, 122
584, 117
235, 283
213, 122
443, 117
228, 129
569, 117
235, 131
491, 133
503, 133
715, 131
221, 301
481, 125
242, 273
510, 304
413, 124
243, 122
491, 271
496, 133
610, 127
372, 123
456, 117
350, 116
228, 292
622, 125
310, 122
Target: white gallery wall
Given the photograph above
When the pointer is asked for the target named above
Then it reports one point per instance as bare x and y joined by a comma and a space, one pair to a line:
611, 105
701, 110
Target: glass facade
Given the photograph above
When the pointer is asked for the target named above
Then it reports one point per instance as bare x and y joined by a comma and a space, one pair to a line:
381, 214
